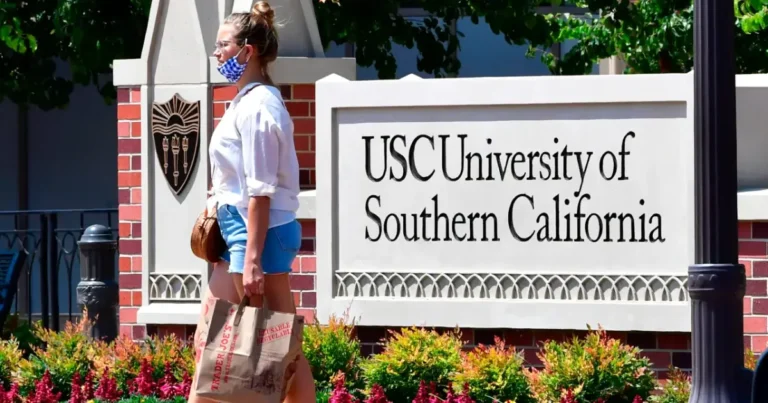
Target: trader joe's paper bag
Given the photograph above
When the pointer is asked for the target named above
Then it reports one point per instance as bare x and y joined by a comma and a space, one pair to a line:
249, 354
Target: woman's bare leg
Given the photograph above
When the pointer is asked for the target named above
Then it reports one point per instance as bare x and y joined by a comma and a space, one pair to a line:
219, 286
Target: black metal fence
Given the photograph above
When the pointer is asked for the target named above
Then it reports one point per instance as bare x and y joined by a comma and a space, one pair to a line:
50, 275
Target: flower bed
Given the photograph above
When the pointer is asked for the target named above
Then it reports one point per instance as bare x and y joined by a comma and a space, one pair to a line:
416, 365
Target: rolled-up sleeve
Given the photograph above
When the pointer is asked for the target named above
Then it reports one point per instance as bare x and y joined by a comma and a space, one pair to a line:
261, 151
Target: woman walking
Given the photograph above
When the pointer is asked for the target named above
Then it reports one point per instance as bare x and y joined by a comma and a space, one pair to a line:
255, 178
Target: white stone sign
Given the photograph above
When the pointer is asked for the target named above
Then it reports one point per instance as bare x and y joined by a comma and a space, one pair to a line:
506, 202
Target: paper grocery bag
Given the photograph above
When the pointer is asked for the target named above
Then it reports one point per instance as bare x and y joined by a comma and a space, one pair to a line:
248, 354
201, 332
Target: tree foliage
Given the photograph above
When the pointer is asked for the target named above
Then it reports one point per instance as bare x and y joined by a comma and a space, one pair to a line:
37, 36
374, 25
652, 36
752, 15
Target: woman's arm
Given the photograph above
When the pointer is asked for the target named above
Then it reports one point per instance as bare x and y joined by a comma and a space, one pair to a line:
258, 223
260, 161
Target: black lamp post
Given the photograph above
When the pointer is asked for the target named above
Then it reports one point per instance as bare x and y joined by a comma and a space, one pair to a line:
716, 282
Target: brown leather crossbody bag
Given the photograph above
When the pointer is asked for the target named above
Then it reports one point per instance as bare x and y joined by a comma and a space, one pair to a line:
206, 240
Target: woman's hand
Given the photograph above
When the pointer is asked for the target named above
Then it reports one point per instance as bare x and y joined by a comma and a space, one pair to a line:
253, 276
258, 225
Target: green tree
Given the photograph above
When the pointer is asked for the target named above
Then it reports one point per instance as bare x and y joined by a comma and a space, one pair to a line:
374, 25
90, 34
86, 34
752, 14
652, 36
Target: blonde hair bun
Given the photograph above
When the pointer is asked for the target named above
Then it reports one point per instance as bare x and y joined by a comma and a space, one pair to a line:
257, 28
264, 12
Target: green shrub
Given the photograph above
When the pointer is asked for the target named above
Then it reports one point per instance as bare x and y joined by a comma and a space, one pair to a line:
592, 368
677, 389
63, 354
323, 396
750, 359
411, 356
493, 373
331, 349
125, 356
22, 331
10, 357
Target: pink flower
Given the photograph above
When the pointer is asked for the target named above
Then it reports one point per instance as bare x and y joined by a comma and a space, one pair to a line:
422, 395
449, 396
43, 392
167, 386
377, 395
340, 393
568, 398
144, 384
107, 390
88, 386
11, 395
185, 386
464, 396
76, 396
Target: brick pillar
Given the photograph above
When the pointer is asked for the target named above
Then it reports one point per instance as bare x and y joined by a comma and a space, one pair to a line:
129, 199
753, 253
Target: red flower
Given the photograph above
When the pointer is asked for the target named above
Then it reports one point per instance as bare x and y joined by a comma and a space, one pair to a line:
464, 396
107, 390
422, 395
340, 393
43, 392
377, 395
76, 396
449, 396
568, 398
185, 386
88, 386
637, 399
11, 395
144, 384
433, 393
167, 387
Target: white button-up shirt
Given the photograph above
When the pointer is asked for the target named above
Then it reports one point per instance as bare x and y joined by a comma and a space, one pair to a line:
252, 154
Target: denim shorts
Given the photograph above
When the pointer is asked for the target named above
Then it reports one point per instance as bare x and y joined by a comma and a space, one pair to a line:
281, 244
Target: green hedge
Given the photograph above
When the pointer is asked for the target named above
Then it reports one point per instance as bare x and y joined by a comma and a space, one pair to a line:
416, 365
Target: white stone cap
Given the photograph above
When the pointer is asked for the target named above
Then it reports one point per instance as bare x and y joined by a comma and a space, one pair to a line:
285, 70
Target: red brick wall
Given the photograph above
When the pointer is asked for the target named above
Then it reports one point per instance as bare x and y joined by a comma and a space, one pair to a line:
129, 197
300, 101
753, 251
663, 349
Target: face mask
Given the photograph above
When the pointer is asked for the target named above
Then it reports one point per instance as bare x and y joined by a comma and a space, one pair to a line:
231, 69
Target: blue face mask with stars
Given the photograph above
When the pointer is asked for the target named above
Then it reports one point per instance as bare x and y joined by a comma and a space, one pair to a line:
231, 69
